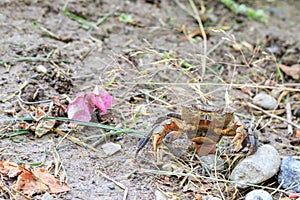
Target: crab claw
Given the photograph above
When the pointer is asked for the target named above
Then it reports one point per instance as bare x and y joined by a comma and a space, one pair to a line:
156, 139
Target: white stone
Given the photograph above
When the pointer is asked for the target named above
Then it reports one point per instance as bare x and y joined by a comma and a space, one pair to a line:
41, 69
111, 148
258, 195
265, 101
159, 195
258, 167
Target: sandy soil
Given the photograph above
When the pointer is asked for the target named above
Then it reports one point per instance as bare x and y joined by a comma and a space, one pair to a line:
152, 65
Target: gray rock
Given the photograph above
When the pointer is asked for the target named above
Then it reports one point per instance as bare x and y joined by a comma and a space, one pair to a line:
111, 148
258, 195
159, 195
47, 196
258, 167
290, 174
265, 101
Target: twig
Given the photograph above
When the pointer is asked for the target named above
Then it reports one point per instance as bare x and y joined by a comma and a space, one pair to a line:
57, 160
6, 189
274, 116
289, 117
234, 85
15, 92
74, 140
203, 58
122, 186
215, 169
31, 103
279, 186
168, 173
22, 59
50, 34
154, 97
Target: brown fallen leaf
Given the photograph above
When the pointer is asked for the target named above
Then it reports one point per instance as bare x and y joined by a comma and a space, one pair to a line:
194, 34
49, 180
293, 71
44, 127
9, 169
28, 184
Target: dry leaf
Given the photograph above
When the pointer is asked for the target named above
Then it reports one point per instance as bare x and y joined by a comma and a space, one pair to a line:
293, 71
28, 184
9, 169
46, 178
44, 127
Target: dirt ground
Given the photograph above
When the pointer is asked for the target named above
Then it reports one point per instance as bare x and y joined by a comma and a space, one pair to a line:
149, 56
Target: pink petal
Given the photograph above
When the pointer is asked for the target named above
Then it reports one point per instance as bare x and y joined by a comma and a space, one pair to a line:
102, 99
80, 108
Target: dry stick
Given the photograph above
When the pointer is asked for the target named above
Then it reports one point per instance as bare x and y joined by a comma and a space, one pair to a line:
168, 173
215, 169
279, 186
15, 92
289, 117
203, 58
274, 116
6, 189
235, 85
74, 139
156, 98
122, 186
31, 103
57, 160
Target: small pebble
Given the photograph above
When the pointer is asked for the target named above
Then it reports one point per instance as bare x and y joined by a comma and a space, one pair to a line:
159, 195
290, 174
41, 69
258, 195
111, 186
265, 101
111, 148
273, 49
258, 167
47, 196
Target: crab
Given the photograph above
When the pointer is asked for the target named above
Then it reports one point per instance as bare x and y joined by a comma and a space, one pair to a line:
204, 126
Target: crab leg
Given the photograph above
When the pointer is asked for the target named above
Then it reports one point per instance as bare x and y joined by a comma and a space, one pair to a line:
142, 143
252, 142
239, 137
161, 128
169, 130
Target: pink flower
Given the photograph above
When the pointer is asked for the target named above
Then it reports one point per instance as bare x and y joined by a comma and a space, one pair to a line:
82, 106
